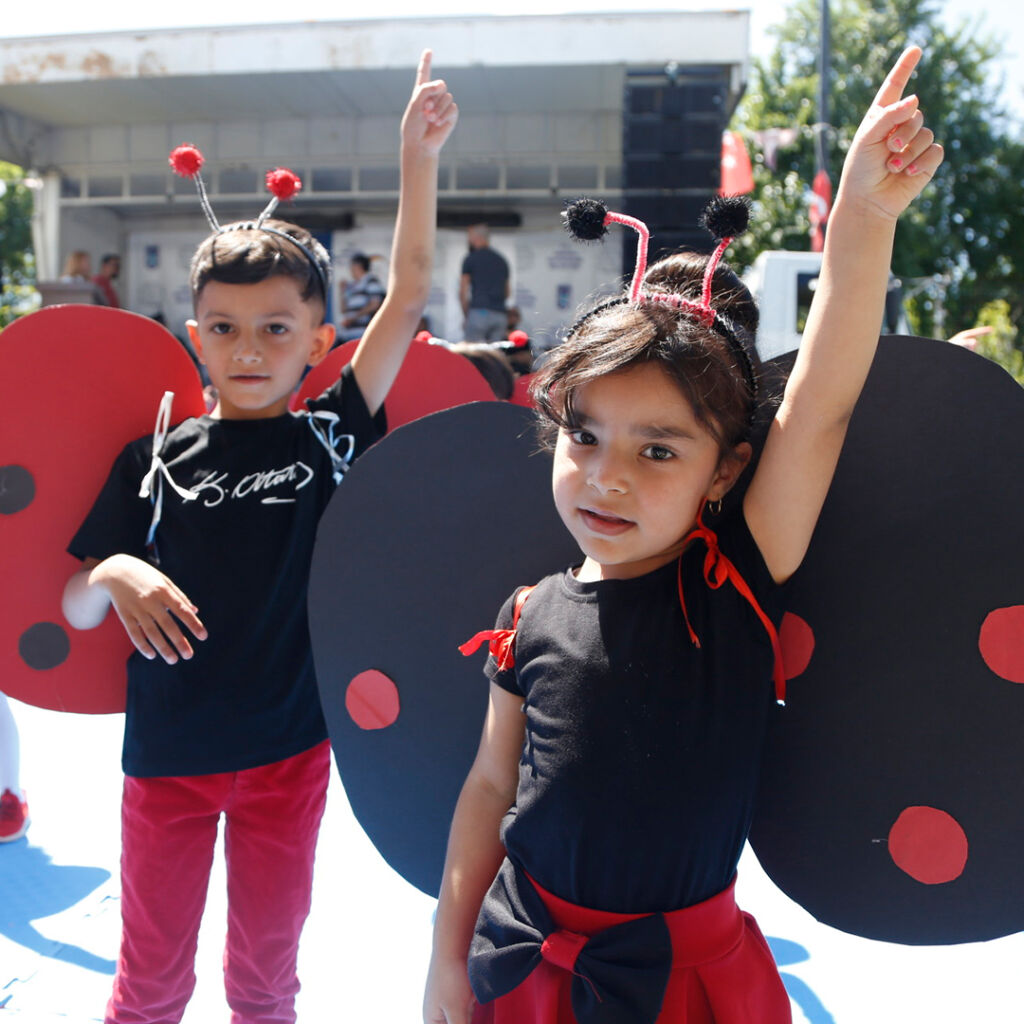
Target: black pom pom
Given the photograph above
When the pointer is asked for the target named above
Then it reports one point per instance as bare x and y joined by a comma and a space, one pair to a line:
726, 216
584, 219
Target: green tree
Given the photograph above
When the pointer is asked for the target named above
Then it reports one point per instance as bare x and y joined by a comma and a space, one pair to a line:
17, 267
958, 247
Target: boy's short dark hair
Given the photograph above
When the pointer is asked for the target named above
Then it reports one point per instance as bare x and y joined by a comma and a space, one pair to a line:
245, 254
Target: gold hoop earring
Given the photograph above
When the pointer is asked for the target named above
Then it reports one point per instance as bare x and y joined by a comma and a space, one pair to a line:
714, 507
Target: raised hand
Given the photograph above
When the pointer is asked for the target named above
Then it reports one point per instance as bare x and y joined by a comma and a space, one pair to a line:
893, 155
150, 606
431, 114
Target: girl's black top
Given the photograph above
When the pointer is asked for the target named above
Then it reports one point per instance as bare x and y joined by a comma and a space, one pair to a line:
642, 752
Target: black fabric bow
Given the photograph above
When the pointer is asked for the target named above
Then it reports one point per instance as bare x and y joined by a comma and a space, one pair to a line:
619, 974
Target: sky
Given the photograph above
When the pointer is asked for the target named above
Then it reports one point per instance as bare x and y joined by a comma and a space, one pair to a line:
29, 19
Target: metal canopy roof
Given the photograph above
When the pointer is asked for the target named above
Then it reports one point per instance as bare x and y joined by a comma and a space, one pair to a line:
495, 65
541, 100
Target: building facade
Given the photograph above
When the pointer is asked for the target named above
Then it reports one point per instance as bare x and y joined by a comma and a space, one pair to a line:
628, 107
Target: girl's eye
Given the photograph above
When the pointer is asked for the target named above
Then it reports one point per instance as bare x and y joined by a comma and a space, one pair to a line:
221, 328
580, 436
658, 453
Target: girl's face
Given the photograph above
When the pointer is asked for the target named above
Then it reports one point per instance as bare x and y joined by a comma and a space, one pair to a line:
630, 477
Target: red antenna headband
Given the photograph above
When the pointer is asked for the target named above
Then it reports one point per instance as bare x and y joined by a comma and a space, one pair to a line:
725, 217
187, 161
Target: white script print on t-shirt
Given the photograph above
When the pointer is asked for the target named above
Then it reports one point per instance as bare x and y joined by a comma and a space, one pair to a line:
215, 487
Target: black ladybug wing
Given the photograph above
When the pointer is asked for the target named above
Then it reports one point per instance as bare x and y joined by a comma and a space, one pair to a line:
77, 384
891, 806
892, 802
425, 538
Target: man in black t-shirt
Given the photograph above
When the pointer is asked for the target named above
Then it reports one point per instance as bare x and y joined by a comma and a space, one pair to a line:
484, 289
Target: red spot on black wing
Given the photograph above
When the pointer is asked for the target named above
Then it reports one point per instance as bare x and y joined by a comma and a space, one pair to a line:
797, 639
1001, 642
372, 700
929, 845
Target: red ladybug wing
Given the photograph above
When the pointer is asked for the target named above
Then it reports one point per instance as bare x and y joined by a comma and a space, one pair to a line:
77, 384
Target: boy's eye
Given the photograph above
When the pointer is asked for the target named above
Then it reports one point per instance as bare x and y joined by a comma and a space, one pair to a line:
277, 328
658, 453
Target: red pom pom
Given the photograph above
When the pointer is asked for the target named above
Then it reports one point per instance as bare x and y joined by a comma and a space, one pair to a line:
186, 160
424, 336
283, 183
519, 338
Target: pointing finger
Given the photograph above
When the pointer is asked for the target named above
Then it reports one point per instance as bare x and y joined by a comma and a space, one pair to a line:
423, 71
896, 81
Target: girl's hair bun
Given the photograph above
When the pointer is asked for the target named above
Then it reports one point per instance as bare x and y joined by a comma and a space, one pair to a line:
726, 216
585, 219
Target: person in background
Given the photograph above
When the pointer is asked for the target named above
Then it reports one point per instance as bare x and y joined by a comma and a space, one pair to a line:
77, 268
484, 288
14, 819
361, 297
110, 268
493, 365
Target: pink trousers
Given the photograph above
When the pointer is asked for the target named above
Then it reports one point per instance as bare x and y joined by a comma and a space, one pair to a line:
169, 827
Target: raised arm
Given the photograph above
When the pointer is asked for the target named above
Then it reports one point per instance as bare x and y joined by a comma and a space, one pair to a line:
892, 158
428, 121
474, 855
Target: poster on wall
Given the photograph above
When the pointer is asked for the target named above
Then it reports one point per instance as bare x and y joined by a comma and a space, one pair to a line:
158, 278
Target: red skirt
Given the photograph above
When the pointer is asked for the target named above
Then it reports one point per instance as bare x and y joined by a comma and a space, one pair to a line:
722, 969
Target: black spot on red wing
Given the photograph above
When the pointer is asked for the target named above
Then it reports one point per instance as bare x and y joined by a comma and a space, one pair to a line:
17, 489
44, 645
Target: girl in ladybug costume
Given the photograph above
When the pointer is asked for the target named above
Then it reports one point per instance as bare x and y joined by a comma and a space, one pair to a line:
593, 851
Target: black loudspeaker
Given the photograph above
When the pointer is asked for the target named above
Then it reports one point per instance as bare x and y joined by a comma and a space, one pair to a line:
671, 154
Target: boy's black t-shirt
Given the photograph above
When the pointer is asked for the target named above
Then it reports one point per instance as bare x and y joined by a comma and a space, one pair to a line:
241, 552
642, 752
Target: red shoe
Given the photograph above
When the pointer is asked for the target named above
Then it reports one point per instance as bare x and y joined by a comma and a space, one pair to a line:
13, 817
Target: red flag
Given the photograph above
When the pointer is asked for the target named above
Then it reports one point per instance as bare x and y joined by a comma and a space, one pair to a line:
821, 207
737, 176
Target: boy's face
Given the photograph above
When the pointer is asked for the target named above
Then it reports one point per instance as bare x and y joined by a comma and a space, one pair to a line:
255, 340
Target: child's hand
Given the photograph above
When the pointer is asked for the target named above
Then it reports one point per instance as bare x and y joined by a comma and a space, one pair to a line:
448, 998
969, 338
148, 604
893, 155
431, 114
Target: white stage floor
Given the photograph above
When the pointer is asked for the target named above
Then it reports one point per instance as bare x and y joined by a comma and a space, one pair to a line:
365, 948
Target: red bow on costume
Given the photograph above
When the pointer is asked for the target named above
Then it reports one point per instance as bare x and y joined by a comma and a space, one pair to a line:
717, 571
501, 642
